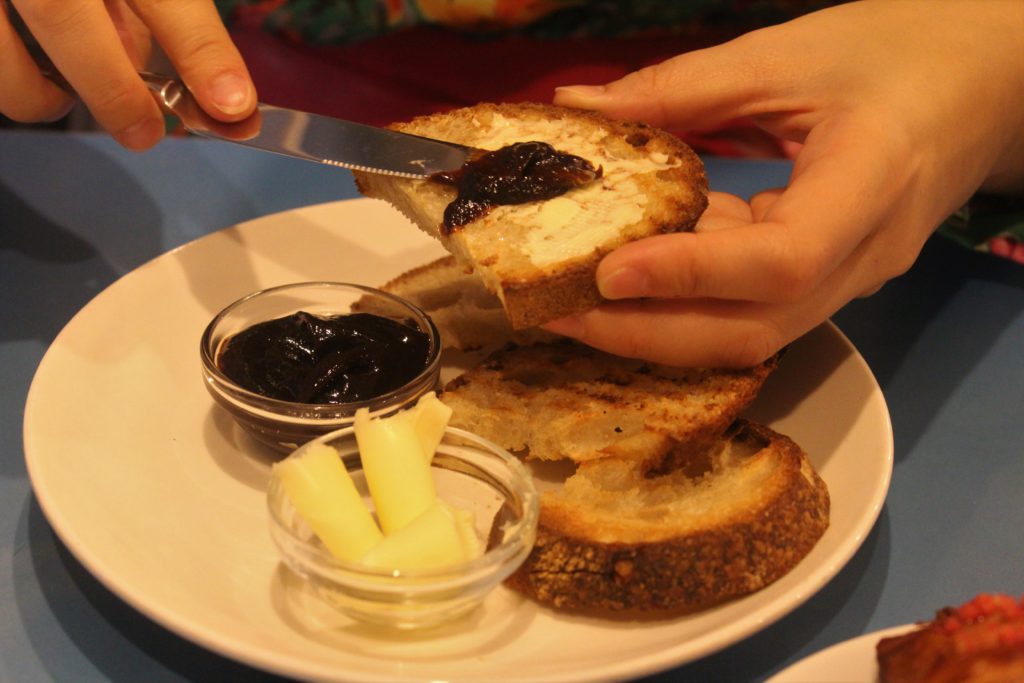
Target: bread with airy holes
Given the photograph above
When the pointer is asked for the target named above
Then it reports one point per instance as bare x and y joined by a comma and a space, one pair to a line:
540, 258
621, 535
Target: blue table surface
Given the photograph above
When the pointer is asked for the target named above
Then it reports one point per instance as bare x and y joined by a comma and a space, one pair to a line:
946, 342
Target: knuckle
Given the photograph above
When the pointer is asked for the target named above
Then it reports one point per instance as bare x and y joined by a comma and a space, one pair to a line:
120, 106
116, 96
650, 85
200, 47
751, 347
635, 342
901, 262
684, 274
52, 15
795, 275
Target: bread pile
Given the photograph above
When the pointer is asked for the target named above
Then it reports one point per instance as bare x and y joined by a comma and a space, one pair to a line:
672, 501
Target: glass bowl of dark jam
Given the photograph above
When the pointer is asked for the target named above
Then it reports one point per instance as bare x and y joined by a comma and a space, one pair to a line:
470, 474
293, 362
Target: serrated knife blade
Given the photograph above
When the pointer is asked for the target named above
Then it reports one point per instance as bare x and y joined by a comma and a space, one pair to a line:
312, 137
306, 136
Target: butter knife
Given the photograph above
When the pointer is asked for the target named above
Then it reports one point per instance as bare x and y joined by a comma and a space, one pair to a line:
311, 137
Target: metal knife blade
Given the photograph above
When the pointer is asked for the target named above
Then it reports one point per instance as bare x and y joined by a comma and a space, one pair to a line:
307, 136
313, 137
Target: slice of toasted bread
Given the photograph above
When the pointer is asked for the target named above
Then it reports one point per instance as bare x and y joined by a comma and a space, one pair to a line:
469, 317
618, 536
567, 400
540, 257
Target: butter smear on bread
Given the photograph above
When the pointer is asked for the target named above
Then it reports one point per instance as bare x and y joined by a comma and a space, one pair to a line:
413, 529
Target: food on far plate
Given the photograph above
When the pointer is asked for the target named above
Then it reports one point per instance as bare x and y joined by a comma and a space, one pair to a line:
566, 400
540, 256
621, 536
306, 358
981, 641
412, 528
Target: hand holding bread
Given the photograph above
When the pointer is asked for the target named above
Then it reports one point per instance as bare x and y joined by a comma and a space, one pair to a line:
903, 110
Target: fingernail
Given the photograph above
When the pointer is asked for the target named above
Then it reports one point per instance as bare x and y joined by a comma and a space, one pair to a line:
142, 135
579, 92
230, 93
624, 283
567, 327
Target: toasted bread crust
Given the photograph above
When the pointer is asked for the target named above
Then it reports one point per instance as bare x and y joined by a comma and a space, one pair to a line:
597, 405
644, 167
689, 569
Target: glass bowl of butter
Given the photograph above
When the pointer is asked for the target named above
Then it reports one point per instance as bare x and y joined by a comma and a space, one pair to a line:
402, 521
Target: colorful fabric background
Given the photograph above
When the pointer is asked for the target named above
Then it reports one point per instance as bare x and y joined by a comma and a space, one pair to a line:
343, 21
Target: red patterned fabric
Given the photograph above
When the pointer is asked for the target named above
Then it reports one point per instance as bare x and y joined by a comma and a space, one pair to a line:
429, 69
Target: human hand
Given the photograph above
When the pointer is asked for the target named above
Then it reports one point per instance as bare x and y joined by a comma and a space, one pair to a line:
904, 109
99, 46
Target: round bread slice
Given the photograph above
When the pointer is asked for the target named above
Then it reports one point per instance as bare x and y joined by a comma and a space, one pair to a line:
540, 257
565, 400
620, 536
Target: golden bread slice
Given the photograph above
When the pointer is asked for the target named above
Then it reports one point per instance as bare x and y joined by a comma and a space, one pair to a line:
469, 317
620, 536
566, 400
540, 257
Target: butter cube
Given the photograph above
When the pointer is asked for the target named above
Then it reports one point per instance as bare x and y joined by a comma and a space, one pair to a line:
431, 417
397, 469
324, 495
431, 541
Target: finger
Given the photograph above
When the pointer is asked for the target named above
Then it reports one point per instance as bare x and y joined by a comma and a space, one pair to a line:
762, 202
195, 40
84, 45
828, 209
134, 34
690, 333
724, 211
25, 95
694, 90
714, 333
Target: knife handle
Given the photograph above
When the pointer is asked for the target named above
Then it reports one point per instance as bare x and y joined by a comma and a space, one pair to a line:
175, 99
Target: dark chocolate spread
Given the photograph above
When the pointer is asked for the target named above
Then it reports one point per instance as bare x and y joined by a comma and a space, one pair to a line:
304, 358
516, 174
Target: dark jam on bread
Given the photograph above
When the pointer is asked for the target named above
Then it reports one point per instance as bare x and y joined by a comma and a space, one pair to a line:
305, 358
516, 174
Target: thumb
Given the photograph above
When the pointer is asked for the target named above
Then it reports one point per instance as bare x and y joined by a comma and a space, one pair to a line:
695, 90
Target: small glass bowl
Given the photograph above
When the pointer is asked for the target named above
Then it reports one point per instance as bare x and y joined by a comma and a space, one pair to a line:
470, 473
284, 425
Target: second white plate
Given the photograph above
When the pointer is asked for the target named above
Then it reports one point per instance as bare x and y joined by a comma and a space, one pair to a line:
161, 496
851, 661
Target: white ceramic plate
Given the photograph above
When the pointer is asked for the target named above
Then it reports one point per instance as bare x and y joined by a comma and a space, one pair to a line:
161, 496
851, 661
